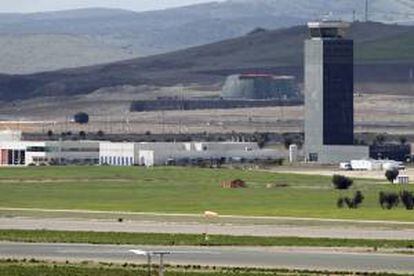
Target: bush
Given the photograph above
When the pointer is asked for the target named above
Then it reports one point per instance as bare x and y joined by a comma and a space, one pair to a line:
341, 182
407, 199
340, 203
388, 200
351, 203
82, 134
391, 175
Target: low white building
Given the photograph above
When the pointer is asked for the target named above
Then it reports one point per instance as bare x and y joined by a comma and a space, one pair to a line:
14, 152
151, 154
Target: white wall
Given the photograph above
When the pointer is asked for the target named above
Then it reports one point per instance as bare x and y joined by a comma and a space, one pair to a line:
117, 154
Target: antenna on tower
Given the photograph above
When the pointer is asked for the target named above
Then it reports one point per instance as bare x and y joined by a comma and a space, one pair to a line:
366, 10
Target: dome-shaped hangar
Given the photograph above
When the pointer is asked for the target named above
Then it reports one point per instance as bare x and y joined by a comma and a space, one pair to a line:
260, 86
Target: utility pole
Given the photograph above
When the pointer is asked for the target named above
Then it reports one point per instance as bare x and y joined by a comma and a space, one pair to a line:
366, 10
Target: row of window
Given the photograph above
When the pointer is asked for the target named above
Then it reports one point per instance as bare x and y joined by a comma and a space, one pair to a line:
57, 149
117, 160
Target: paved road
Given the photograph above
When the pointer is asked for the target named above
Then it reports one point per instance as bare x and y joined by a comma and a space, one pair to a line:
300, 258
145, 226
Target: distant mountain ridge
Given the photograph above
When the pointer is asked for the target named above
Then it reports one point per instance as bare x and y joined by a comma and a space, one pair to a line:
155, 32
384, 57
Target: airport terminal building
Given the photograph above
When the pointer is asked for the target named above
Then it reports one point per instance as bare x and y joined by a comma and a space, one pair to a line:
16, 152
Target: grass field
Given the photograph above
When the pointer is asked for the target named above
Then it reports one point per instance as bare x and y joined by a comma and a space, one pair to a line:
42, 236
187, 190
34, 267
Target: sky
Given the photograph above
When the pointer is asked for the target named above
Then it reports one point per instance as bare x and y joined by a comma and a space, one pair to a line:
27, 6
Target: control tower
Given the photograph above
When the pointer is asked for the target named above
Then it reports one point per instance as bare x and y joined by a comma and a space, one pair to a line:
329, 88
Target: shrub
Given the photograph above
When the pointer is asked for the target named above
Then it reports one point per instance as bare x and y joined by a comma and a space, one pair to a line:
407, 199
82, 134
351, 203
358, 199
341, 182
391, 175
388, 200
340, 203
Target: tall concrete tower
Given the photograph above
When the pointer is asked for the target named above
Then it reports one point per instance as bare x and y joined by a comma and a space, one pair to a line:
329, 88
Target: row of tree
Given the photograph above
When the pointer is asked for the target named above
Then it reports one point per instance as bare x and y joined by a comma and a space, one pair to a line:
387, 200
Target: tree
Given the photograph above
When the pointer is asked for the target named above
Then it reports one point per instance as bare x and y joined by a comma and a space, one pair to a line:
49, 133
388, 200
380, 139
341, 182
391, 175
407, 199
100, 133
403, 140
351, 203
82, 134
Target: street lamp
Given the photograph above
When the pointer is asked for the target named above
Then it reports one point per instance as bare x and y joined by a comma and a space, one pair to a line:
149, 255
161, 254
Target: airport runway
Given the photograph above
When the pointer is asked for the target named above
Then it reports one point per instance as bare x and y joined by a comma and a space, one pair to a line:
273, 257
276, 230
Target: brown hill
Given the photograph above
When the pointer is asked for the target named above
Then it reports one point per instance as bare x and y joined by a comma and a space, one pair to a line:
384, 63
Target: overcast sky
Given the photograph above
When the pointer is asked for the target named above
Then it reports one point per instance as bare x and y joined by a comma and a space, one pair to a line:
51, 5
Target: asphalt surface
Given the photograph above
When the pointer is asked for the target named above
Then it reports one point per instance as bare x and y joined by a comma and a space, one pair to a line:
298, 258
188, 227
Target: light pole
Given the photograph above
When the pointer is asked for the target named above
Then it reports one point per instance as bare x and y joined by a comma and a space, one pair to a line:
149, 255
161, 255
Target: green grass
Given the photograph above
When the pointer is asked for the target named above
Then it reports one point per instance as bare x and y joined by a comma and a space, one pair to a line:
35, 267
186, 190
43, 236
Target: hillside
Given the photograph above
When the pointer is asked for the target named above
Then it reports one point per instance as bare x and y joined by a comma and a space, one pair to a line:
155, 32
26, 54
384, 59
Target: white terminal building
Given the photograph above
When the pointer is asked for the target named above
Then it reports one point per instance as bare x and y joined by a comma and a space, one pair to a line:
15, 152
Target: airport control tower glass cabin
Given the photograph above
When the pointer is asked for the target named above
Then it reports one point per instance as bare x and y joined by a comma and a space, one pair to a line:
329, 85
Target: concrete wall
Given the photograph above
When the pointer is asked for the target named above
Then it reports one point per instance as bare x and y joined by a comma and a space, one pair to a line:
313, 96
336, 154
